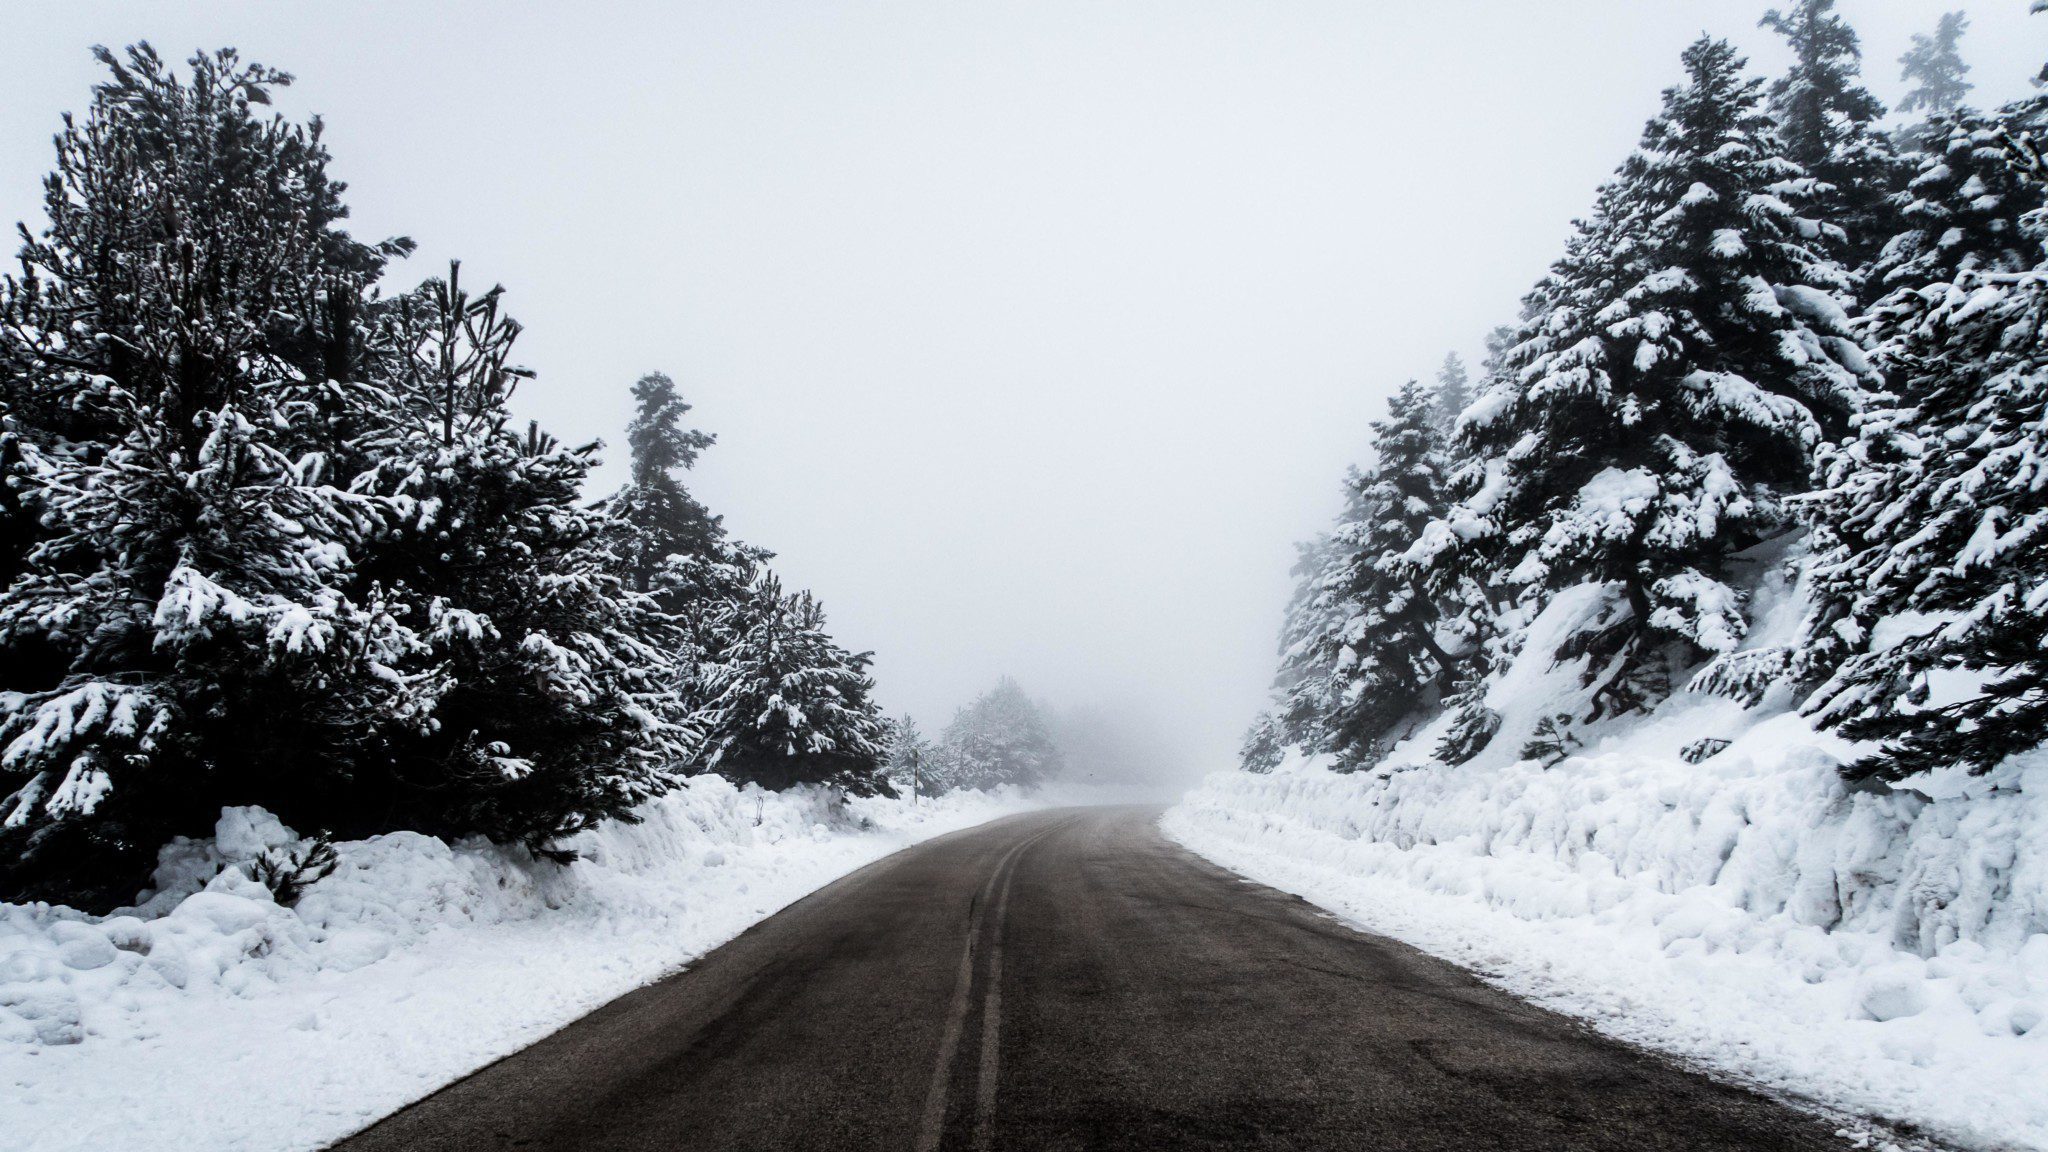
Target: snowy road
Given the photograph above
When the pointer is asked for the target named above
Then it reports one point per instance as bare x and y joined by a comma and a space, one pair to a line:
1070, 979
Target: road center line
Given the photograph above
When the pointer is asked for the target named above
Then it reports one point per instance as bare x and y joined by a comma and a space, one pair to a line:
992, 1015
933, 1125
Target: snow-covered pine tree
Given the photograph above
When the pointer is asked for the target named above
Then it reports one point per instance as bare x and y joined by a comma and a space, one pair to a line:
787, 705
1935, 68
666, 544
1932, 574
1000, 738
1824, 119
1453, 567
1306, 692
1961, 210
1363, 651
179, 375
1674, 371
549, 689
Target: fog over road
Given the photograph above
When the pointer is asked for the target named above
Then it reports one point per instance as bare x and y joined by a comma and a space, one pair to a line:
1072, 980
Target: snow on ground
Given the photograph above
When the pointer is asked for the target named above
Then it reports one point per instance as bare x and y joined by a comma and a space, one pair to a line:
1880, 954
212, 1019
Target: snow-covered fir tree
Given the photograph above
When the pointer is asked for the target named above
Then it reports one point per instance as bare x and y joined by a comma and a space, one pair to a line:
179, 361
1000, 738
1361, 647
1306, 691
545, 688
1673, 374
667, 545
282, 545
788, 705
1935, 68
1932, 576
1824, 119
1961, 209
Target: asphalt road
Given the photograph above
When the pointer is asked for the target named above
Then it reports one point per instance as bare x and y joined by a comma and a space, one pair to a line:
1071, 980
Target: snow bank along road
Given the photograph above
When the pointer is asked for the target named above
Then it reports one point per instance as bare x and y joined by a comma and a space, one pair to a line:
1070, 979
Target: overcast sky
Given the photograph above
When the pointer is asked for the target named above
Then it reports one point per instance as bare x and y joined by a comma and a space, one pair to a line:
1033, 335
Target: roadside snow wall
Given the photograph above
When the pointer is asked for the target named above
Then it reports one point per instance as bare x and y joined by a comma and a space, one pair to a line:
209, 1018
1877, 954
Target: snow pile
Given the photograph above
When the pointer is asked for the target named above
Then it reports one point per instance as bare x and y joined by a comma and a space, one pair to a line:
209, 1017
1885, 954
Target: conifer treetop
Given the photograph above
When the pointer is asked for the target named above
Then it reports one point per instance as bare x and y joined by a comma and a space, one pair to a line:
1673, 373
659, 443
1819, 101
1453, 391
1935, 68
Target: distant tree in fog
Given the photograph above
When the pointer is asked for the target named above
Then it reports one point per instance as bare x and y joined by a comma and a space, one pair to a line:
914, 765
1453, 392
1001, 738
1935, 68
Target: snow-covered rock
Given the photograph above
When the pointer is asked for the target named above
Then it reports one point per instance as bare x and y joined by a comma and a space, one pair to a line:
210, 1018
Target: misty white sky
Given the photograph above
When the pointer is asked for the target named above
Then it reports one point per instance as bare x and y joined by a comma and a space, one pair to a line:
1035, 334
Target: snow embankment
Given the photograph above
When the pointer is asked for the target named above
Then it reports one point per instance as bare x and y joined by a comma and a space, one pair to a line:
211, 1018
1880, 954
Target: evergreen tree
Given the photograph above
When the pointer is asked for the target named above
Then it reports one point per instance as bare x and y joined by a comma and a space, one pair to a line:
1819, 99
1363, 650
1824, 117
1932, 574
1000, 738
1306, 692
548, 687
1453, 393
1935, 69
1264, 745
787, 705
178, 361
1961, 210
1499, 343
1451, 565
283, 546
667, 545
914, 763
659, 516
1674, 371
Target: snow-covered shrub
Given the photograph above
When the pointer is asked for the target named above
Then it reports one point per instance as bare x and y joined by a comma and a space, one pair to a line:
1551, 741
288, 873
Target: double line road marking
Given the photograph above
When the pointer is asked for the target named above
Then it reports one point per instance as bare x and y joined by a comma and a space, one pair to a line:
934, 1125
